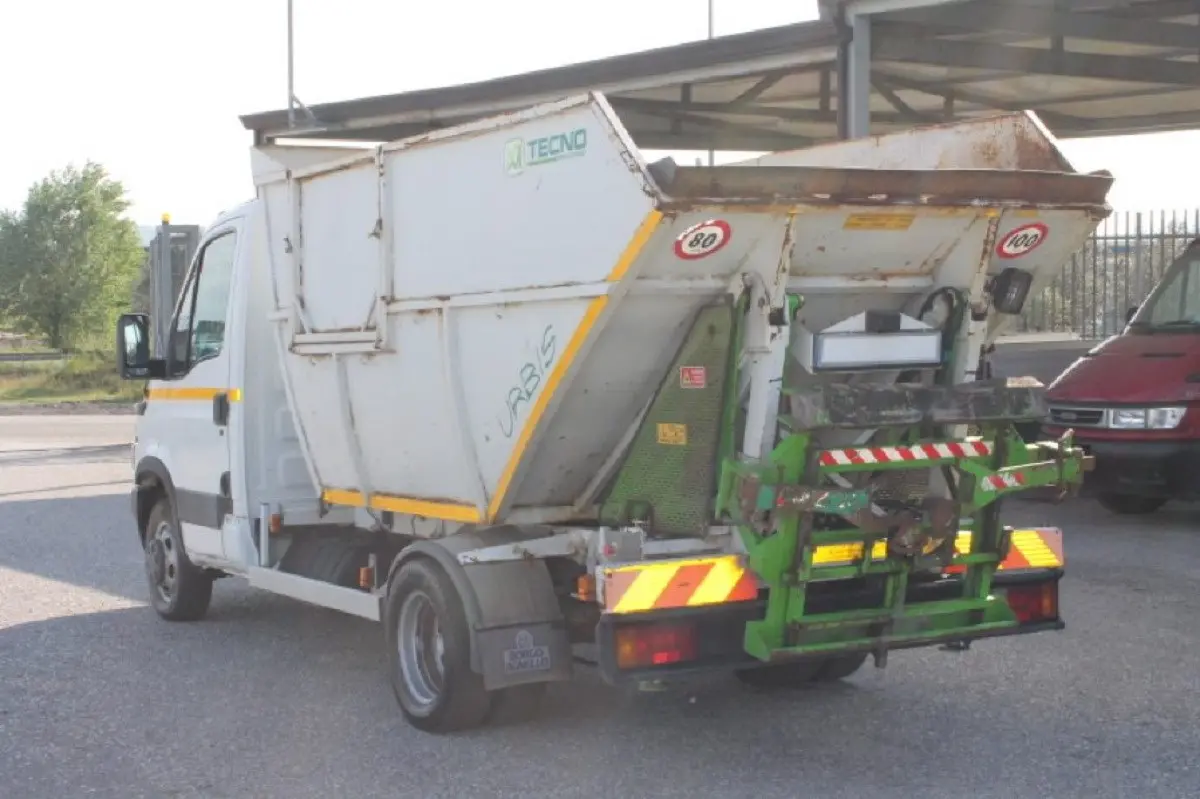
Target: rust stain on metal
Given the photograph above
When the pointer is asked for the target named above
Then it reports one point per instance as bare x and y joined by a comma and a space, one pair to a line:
824, 186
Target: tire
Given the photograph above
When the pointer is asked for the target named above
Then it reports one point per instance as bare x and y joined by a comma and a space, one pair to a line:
179, 590
781, 675
429, 652
841, 667
804, 672
1130, 504
516, 704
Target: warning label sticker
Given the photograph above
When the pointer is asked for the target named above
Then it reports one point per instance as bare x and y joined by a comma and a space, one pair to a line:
878, 222
525, 656
671, 434
692, 377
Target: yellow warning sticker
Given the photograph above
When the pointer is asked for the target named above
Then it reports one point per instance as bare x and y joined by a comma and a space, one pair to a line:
671, 434
879, 222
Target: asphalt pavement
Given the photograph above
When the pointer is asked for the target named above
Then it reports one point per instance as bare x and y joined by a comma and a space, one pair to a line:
268, 697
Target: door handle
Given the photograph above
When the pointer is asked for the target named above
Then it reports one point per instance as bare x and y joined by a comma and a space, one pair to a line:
221, 409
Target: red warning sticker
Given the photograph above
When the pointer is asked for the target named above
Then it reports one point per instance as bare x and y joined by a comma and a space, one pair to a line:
693, 377
1023, 240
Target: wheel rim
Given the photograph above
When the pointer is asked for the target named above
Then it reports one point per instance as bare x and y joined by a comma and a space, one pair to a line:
162, 561
422, 650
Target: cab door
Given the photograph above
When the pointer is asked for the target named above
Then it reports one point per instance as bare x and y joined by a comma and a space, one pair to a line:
192, 423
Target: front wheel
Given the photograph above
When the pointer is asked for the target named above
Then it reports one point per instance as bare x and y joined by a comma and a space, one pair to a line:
1129, 504
179, 590
429, 652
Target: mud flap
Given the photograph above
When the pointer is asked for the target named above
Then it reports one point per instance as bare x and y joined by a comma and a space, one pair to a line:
518, 633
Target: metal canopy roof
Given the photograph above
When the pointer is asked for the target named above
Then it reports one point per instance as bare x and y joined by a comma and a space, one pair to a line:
1087, 67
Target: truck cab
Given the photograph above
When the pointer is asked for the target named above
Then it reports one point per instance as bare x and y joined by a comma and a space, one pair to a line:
1134, 400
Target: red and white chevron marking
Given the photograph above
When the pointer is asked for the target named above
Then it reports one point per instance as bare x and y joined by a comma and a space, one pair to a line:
917, 452
999, 482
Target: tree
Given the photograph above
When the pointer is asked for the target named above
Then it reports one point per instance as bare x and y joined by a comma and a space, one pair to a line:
69, 258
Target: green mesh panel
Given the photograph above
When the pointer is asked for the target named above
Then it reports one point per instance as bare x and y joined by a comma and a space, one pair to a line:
668, 484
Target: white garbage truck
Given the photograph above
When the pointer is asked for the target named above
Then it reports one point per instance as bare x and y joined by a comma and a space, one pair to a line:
511, 390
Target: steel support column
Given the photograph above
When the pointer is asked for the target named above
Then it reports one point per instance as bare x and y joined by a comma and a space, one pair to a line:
854, 76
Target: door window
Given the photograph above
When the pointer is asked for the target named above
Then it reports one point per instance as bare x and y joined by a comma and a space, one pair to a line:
199, 332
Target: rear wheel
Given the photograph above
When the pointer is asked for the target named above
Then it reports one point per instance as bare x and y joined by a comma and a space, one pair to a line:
429, 652
841, 667
1129, 504
179, 590
804, 672
781, 675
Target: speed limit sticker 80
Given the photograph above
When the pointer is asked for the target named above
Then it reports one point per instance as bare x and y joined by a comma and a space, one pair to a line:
702, 240
1022, 240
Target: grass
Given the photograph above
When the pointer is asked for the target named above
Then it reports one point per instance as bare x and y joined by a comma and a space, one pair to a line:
82, 378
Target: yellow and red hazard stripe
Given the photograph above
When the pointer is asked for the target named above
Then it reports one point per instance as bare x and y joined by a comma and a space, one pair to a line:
1037, 548
1040, 548
685, 583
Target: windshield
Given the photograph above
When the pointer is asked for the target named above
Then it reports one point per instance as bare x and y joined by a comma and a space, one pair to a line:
1176, 301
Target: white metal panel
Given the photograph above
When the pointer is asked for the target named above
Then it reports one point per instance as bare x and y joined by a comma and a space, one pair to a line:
272, 162
390, 392
275, 468
316, 400
876, 243
508, 359
340, 247
464, 222
752, 237
615, 381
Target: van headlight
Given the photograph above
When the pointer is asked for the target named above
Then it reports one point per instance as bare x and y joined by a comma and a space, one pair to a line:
1146, 418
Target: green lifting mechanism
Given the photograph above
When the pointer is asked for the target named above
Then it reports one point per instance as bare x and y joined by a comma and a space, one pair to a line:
800, 499
790, 507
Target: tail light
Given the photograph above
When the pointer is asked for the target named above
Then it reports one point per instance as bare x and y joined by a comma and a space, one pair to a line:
643, 645
1035, 602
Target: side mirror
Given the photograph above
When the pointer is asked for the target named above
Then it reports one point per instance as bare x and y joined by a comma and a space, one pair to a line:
133, 349
1129, 314
1010, 289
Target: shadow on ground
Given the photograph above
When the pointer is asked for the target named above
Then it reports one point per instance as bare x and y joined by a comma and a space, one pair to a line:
272, 698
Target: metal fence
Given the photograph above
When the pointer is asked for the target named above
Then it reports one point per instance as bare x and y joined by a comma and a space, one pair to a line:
1115, 270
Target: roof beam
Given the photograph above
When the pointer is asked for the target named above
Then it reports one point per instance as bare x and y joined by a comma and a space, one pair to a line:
719, 140
778, 112
758, 89
990, 16
883, 85
1052, 118
1132, 125
679, 118
899, 42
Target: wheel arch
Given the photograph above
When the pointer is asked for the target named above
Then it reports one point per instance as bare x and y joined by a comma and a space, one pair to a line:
499, 598
152, 481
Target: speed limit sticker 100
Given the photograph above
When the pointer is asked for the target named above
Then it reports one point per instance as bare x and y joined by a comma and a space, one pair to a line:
702, 240
1022, 240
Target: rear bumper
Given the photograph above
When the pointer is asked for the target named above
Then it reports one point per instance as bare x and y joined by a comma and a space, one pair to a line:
1168, 469
720, 629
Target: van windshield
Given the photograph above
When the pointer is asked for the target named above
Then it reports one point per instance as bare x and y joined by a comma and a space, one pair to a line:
1175, 303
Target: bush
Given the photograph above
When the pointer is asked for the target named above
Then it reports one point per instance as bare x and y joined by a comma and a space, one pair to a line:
79, 378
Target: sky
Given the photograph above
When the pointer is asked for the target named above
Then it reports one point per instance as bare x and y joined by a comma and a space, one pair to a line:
152, 89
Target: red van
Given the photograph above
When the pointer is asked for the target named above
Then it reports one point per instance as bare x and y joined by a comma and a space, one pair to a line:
1134, 400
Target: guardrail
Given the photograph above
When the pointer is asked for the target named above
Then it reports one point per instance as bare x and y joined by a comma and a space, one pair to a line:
24, 357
